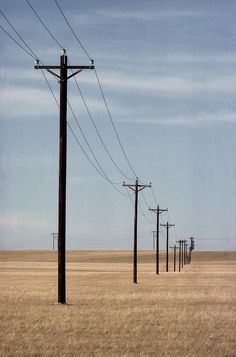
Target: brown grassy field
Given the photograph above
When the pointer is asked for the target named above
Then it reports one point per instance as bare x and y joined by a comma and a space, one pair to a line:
192, 313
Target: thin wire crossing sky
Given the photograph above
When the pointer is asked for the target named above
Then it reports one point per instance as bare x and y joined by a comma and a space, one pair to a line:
160, 106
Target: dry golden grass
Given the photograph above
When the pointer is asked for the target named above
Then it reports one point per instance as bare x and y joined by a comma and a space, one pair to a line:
192, 313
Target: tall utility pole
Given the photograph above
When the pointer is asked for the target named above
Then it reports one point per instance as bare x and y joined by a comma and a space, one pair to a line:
167, 226
136, 188
63, 78
158, 211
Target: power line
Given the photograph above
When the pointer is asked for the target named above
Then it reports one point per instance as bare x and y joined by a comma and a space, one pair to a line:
32, 54
73, 32
81, 147
73, 133
112, 123
90, 149
100, 87
154, 196
46, 28
143, 214
58, 43
7, 33
35, 57
96, 129
8, 21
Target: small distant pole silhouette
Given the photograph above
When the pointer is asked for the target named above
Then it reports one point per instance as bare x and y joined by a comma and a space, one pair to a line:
54, 237
153, 239
167, 226
158, 211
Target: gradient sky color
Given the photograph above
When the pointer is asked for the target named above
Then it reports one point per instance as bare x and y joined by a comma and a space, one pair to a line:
168, 71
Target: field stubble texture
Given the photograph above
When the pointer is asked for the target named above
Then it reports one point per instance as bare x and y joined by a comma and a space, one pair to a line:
192, 313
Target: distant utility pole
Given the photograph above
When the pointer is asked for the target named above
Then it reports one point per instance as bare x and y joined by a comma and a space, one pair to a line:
185, 251
54, 237
167, 226
136, 188
158, 211
63, 78
191, 248
174, 247
180, 253
153, 239
192, 242
174, 258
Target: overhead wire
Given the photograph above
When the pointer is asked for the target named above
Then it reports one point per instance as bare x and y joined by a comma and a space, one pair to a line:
7, 33
89, 146
9, 23
96, 128
42, 22
101, 89
86, 106
33, 55
77, 39
102, 174
154, 196
113, 124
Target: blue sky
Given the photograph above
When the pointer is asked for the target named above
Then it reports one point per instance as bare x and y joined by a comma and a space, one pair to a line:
168, 70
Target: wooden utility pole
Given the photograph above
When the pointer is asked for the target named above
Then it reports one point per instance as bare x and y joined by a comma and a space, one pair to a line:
158, 211
191, 248
185, 257
174, 248
179, 241
192, 243
167, 226
136, 188
174, 258
63, 78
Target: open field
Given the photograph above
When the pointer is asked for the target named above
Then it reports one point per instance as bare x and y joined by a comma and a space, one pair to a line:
192, 313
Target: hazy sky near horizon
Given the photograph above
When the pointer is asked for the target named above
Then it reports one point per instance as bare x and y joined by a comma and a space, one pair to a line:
168, 71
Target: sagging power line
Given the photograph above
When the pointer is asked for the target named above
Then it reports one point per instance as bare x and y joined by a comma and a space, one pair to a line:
100, 87
32, 54
101, 90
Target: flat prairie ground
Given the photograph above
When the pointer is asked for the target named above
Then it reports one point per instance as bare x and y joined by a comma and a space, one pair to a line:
191, 313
